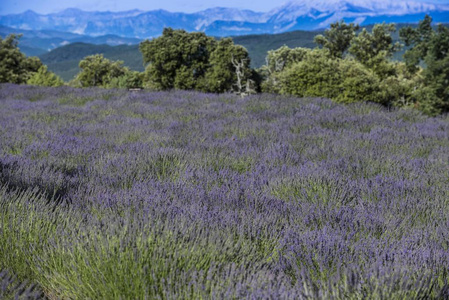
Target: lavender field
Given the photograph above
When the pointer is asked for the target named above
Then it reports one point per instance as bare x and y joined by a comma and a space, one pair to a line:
108, 194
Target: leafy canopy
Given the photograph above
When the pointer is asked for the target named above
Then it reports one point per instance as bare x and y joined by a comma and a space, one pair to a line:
43, 77
182, 60
338, 38
15, 67
99, 71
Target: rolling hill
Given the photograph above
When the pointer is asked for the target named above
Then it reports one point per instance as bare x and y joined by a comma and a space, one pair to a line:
64, 60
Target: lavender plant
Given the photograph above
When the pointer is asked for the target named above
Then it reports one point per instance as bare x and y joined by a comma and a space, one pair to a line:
184, 195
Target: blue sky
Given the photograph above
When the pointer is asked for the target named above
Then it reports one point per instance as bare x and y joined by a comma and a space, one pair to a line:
50, 6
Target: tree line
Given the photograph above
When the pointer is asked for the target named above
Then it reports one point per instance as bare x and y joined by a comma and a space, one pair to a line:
348, 65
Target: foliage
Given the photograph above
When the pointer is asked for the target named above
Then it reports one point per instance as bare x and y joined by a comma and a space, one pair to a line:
417, 38
276, 62
131, 79
43, 77
186, 195
316, 75
182, 60
319, 74
99, 71
15, 67
366, 46
358, 84
431, 47
338, 38
64, 60
177, 59
221, 76
366, 72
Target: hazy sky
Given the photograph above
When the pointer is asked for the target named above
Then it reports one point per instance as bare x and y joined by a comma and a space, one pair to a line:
50, 6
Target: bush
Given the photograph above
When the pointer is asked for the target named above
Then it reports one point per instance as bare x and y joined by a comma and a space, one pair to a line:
43, 77
131, 79
358, 83
99, 71
317, 75
320, 75
277, 61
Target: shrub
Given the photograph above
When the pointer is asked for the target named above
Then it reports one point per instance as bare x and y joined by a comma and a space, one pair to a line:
43, 77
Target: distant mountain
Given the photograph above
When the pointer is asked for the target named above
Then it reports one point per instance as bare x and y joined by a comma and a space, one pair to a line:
36, 42
294, 15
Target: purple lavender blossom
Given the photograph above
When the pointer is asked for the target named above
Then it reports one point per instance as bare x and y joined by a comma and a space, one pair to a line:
187, 195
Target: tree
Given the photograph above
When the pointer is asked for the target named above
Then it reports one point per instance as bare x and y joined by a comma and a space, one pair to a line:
374, 49
15, 67
177, 59
183, 60
276, 62
338, 38
99, 71
131, 79
436, 75
43, 77
229, 68
431, 47
358, 84
317, 75
419, 39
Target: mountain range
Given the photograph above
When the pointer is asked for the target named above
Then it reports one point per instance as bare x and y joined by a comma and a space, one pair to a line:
37, 42
295, 15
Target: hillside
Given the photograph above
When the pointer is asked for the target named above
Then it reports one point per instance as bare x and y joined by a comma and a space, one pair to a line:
64, 60
259, 45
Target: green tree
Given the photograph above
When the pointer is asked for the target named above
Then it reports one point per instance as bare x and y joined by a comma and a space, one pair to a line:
431, 47
317, 75
43, 77
15, 67
276, 62
358, 84
376, 48
177, 59
99, 71
131, 79
222, 76
419, 39
338, 38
